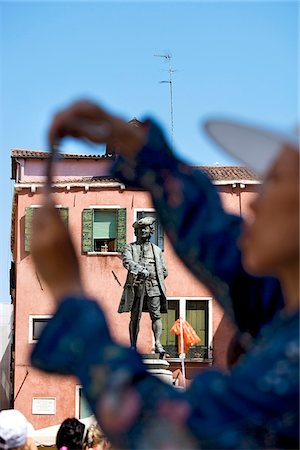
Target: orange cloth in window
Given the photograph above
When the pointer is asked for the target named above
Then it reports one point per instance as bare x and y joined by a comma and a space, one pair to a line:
190, 336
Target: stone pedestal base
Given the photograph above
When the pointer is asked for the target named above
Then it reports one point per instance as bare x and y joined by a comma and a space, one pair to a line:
158, 367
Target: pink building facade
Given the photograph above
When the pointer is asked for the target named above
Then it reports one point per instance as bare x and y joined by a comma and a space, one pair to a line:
100, 212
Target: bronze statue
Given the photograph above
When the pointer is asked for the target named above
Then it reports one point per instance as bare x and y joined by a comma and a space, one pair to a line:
144, 289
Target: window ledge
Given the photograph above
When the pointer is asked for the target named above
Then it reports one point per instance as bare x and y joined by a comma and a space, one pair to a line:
103, 253
205, 360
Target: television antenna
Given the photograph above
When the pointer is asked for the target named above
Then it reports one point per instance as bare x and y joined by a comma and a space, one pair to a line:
167, 57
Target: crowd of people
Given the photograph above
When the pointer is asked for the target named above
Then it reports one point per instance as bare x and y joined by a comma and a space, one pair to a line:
16, 433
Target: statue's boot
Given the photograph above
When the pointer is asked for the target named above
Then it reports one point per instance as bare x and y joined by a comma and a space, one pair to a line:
157, 331
133, 333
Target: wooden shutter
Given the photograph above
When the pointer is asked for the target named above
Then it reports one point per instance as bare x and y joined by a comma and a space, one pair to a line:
121, 229
64, 214
196, 316
168, 319
87, 230
160, 235
28, 219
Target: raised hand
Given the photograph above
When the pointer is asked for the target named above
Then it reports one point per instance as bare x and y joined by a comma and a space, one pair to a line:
86, 120
53, 252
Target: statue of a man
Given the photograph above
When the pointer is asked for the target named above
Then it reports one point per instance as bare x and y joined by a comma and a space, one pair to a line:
144, 289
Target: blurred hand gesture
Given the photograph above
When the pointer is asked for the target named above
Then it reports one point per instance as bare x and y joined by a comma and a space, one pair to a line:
53, 252
86, 120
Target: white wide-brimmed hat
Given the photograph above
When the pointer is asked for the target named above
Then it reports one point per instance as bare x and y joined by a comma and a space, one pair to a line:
254, 146
14, 429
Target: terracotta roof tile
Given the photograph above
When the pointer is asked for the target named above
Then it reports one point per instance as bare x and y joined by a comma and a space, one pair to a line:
223, 173
22, 153
215, 173
66, 180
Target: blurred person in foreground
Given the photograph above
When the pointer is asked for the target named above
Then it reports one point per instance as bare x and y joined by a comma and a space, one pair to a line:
15, 431
70, 435
256, 405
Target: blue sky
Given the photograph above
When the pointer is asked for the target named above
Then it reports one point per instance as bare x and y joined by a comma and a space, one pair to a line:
237, 59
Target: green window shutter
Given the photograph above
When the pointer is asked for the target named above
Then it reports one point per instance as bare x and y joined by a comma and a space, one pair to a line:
28, 219
160, 235
104, 225
168, 338
121, 229
196, 316
64, 214
87, 230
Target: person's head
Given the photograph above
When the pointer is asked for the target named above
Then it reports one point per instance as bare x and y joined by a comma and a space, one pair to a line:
270, 240
70, 434
143, 228
95, 439
15, 431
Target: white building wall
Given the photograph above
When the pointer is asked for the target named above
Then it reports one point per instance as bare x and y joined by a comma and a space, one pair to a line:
6, 324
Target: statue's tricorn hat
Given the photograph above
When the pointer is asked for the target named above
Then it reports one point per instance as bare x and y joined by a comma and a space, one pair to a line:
144, 221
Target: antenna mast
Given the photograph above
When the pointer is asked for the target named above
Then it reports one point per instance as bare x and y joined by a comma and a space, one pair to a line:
168, 58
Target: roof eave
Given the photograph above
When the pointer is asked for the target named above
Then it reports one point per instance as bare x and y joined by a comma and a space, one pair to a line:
231, 182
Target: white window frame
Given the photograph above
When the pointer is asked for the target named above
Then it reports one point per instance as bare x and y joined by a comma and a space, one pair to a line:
40, 206
182, 313
77, 401
104, 207
32, 317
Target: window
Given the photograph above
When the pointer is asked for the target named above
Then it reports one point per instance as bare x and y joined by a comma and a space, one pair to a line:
103, 230
196, 312
157, 237
36, 326
82, 407
64, 212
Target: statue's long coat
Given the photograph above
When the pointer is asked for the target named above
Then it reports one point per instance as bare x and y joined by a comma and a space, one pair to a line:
131, 257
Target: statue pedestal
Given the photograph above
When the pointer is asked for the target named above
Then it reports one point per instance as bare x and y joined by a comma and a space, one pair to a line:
158, 367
